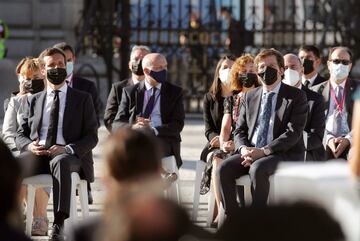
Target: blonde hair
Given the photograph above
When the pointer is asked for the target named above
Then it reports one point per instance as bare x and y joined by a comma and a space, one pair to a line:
30, 66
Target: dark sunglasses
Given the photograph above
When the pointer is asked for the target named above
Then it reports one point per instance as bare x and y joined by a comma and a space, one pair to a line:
342, 61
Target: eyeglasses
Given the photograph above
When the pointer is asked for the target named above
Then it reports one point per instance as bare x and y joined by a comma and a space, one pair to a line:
342, 61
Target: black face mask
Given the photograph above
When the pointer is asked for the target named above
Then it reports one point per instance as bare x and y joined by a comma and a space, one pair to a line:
269, 75
136, 68
247, 80
56, 76
34, 86
308, 66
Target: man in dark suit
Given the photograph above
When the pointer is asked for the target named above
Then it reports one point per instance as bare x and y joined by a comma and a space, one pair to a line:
337, 93
311, 59
269, 130
77, 82
315, 124
137, 54
57, 131
154, 104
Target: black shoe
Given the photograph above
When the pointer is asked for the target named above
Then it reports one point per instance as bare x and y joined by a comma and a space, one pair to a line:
56, 234
90, 197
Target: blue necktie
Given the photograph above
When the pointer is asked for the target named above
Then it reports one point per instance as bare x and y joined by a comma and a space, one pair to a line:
265, 116
151, 104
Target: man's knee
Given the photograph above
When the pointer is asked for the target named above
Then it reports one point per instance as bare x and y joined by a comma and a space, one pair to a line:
227, 168
62, 161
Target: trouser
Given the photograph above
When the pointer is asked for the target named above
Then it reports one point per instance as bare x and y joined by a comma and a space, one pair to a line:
259, 171
60, 167
330, 155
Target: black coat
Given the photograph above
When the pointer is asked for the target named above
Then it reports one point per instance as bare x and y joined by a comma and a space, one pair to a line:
113, 101
171, 108
79, 126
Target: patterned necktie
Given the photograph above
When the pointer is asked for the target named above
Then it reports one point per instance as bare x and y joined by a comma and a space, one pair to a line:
151, 103
307, 83
337, 113
53, 121
265, 116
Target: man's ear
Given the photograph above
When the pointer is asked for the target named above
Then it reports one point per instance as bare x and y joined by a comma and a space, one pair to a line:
146, 71
43, 71
281, 70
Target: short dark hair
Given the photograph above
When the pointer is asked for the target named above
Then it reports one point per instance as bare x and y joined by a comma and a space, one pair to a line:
64, 46
270, 52
340, 47
311, 48
51, 51
132, 154
10, 181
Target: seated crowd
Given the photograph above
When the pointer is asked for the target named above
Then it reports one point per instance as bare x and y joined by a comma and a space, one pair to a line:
260, 110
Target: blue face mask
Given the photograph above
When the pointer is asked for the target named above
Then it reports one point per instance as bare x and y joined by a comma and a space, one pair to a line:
159, 76
69, 68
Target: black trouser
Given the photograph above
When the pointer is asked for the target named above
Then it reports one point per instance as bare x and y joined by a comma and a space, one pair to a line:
60, 167
259, 171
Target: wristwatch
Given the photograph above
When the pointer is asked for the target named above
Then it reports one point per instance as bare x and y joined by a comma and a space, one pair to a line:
68, 150
266, 151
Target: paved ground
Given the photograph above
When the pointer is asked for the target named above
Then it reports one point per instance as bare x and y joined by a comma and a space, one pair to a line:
192, 144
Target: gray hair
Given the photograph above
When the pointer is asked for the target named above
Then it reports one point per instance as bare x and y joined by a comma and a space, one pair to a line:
140, 47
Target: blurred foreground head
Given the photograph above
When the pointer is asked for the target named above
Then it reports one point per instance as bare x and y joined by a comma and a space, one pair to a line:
10, 182
290, 222
131, 156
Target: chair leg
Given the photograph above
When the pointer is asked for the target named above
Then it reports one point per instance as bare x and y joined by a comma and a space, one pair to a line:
211, 206
73, 208
29, 208
199, 169
84, 199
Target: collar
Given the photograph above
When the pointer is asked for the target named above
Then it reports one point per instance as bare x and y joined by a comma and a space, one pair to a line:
63, 89
334, 84
312, 79
275, 90
148, 86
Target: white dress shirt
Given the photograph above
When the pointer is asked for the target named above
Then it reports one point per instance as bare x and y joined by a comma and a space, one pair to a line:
311, 80
46, 115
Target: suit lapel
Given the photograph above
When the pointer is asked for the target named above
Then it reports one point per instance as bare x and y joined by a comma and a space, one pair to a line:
69, 104
163, 99
38, 110
256, 100
139, 99
326, 94
281, 104
348, 99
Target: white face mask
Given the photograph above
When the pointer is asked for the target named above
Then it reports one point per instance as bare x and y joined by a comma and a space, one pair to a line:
224, 76
292, 77
340, 71
69, 68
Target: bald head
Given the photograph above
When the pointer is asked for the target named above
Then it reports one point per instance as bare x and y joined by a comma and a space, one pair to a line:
155, 66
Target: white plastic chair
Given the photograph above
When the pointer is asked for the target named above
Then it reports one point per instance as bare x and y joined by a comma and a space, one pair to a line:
169, 165
200, 167
45, 180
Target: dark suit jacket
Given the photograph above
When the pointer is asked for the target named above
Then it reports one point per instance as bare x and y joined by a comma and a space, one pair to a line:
171, 108
213, 113
318, 80
290, 118
324, 90
89, 87
79, 126
315, 126
113, 101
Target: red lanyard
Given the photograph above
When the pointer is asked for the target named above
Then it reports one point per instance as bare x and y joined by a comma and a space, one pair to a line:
341, 104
